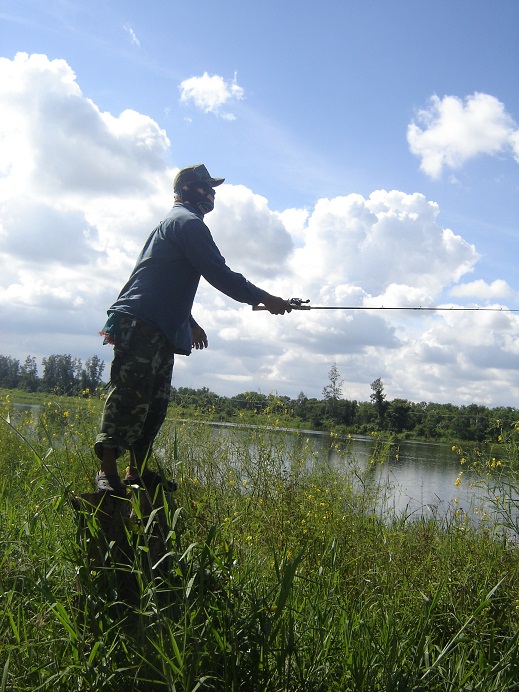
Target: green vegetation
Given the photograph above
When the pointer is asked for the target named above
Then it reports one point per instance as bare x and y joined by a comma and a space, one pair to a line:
279, 574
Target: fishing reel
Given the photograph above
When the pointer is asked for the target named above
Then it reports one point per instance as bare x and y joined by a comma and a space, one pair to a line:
298, 303
295, 304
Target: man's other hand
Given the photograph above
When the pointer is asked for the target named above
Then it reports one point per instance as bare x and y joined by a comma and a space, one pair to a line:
199, 338
276, 305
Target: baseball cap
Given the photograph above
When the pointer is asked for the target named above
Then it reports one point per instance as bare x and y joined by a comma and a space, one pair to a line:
195, 174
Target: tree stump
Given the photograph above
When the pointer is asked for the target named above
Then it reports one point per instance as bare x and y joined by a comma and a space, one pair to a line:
125, 540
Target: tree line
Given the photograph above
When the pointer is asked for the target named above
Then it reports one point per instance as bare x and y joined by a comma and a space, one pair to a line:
64, 375
407, 419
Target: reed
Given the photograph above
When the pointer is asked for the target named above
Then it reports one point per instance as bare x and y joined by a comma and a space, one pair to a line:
278, 573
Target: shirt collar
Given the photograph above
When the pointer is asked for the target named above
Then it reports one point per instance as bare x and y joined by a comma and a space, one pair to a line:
190, 208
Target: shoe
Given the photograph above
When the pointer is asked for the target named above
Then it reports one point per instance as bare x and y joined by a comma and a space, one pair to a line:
110, 483
150, 480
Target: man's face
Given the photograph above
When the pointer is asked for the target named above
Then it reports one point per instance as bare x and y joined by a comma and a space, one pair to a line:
201, 196
210, 194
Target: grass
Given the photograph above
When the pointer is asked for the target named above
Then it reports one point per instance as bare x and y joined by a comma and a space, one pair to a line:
277, 573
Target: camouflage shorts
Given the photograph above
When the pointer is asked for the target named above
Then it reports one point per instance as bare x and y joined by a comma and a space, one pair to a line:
139, 390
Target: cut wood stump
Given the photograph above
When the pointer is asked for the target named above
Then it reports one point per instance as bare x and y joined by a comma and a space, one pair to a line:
124, 537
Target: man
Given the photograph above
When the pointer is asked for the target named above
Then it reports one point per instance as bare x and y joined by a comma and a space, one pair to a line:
151, 321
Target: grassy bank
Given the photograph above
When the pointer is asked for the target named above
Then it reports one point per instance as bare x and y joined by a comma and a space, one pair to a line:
280, 576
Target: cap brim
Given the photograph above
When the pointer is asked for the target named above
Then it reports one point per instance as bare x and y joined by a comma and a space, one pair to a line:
216, 181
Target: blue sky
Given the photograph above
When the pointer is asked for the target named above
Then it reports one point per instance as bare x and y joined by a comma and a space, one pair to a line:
370, 151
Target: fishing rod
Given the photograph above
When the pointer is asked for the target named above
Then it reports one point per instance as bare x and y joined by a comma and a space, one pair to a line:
300, 304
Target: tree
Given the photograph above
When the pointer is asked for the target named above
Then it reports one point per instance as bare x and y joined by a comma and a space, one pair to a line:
397, 415
300, 404
61, 375
332, 392
29, 380
9, 372
378, 398
91, 374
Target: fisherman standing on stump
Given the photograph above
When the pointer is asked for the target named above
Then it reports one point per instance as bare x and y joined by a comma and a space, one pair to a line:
151, 321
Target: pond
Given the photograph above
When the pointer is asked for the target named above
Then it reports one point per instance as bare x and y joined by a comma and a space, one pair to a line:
419, 477
415, 478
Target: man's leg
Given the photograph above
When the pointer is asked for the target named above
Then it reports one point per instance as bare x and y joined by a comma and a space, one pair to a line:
141, 448
133, 371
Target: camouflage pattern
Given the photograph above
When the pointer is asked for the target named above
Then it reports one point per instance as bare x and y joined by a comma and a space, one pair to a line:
139, 390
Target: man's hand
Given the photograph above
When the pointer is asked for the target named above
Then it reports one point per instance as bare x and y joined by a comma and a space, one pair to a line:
276, 305
199, 337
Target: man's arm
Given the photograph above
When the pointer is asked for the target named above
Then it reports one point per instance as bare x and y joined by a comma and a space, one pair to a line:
202, 252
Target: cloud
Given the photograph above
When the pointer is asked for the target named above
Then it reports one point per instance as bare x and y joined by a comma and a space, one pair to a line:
451, 131
131, 33
79, 201
481, 289
57, 141
210, 93
390, 239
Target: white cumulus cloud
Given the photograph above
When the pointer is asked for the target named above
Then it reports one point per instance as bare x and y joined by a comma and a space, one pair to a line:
451, 131
482, 289
210, 92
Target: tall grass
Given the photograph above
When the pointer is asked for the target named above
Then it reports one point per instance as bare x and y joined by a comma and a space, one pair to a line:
276, 574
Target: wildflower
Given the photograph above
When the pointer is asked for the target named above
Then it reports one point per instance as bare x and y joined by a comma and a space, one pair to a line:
458, 479
249, 538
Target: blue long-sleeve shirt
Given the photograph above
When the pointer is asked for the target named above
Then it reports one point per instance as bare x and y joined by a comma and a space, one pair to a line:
163, 284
